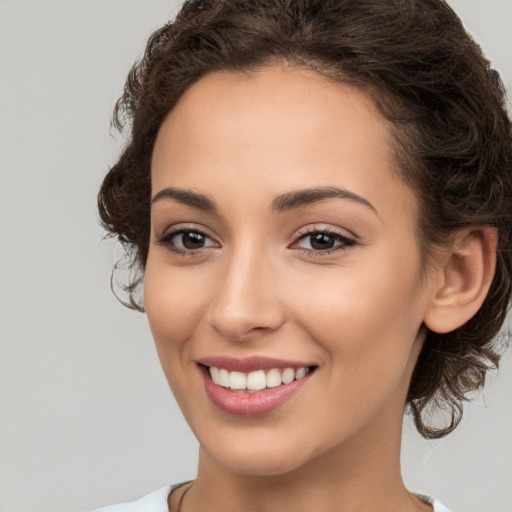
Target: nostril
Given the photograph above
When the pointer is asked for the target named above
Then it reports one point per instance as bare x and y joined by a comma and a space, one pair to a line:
242, 310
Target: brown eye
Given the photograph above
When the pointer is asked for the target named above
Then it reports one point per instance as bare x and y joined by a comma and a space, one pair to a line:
323, 241
185, 240
192, 240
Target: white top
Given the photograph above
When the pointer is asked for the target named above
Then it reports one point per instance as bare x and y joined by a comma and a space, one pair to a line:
157, 502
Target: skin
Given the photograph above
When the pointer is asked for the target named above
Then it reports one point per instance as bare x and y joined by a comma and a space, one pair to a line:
258, 288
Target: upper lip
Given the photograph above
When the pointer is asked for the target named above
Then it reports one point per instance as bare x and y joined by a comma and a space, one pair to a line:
250, 364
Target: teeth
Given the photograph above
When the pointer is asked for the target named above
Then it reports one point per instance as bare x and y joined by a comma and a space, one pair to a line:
288, 375
257, 380
237, 380
223, 378
215, 374
299, 373
273, 378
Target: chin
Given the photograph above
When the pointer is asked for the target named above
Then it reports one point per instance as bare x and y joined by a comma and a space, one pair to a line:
258, 458
259, 465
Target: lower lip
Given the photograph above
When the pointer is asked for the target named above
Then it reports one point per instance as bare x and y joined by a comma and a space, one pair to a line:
256, 403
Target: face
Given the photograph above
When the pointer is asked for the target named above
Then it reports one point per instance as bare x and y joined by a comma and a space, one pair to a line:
283, 253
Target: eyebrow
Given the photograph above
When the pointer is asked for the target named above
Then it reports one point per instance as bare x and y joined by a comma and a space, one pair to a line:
187, 197
299, 198
282, 203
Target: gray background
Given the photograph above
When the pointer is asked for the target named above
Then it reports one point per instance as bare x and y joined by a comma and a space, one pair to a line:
86, 416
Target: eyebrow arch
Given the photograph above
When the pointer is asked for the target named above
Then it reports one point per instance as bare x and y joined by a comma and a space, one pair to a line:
187, 197
296, 199
284, 202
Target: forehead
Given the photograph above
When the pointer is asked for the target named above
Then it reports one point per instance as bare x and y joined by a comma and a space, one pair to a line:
283, 126
277, 99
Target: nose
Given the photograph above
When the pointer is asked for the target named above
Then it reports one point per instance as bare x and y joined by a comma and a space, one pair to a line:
246, 305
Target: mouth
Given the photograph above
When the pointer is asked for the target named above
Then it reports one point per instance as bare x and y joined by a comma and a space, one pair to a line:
264, 386
256, 380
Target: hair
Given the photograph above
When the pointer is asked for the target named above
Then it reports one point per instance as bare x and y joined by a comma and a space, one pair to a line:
451, 138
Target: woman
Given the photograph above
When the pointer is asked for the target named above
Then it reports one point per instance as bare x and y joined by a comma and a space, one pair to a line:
317, 196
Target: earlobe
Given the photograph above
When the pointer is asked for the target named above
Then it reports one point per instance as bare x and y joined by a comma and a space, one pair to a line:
466, 275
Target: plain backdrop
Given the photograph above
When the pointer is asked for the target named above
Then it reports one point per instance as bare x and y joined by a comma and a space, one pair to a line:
86, 417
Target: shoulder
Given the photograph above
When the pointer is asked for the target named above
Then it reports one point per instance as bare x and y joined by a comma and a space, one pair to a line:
439, 507
436, 504
155, 501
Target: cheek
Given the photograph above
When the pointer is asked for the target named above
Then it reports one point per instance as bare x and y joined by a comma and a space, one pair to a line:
366, 334
365, 317
171, 303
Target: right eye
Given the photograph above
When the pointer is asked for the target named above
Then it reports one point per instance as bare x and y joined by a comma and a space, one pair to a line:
187, 241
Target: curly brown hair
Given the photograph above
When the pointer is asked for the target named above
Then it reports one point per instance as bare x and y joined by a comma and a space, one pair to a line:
452, 137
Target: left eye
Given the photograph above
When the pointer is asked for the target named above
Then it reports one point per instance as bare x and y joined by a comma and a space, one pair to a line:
188, 240
323, 241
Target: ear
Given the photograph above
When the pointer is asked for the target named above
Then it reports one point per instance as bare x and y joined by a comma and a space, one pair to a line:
465, 276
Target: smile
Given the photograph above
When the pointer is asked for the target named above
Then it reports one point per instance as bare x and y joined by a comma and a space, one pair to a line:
256, 380
253, 386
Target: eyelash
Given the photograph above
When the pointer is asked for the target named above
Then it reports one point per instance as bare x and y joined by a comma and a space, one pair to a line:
166, 240
345, 242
